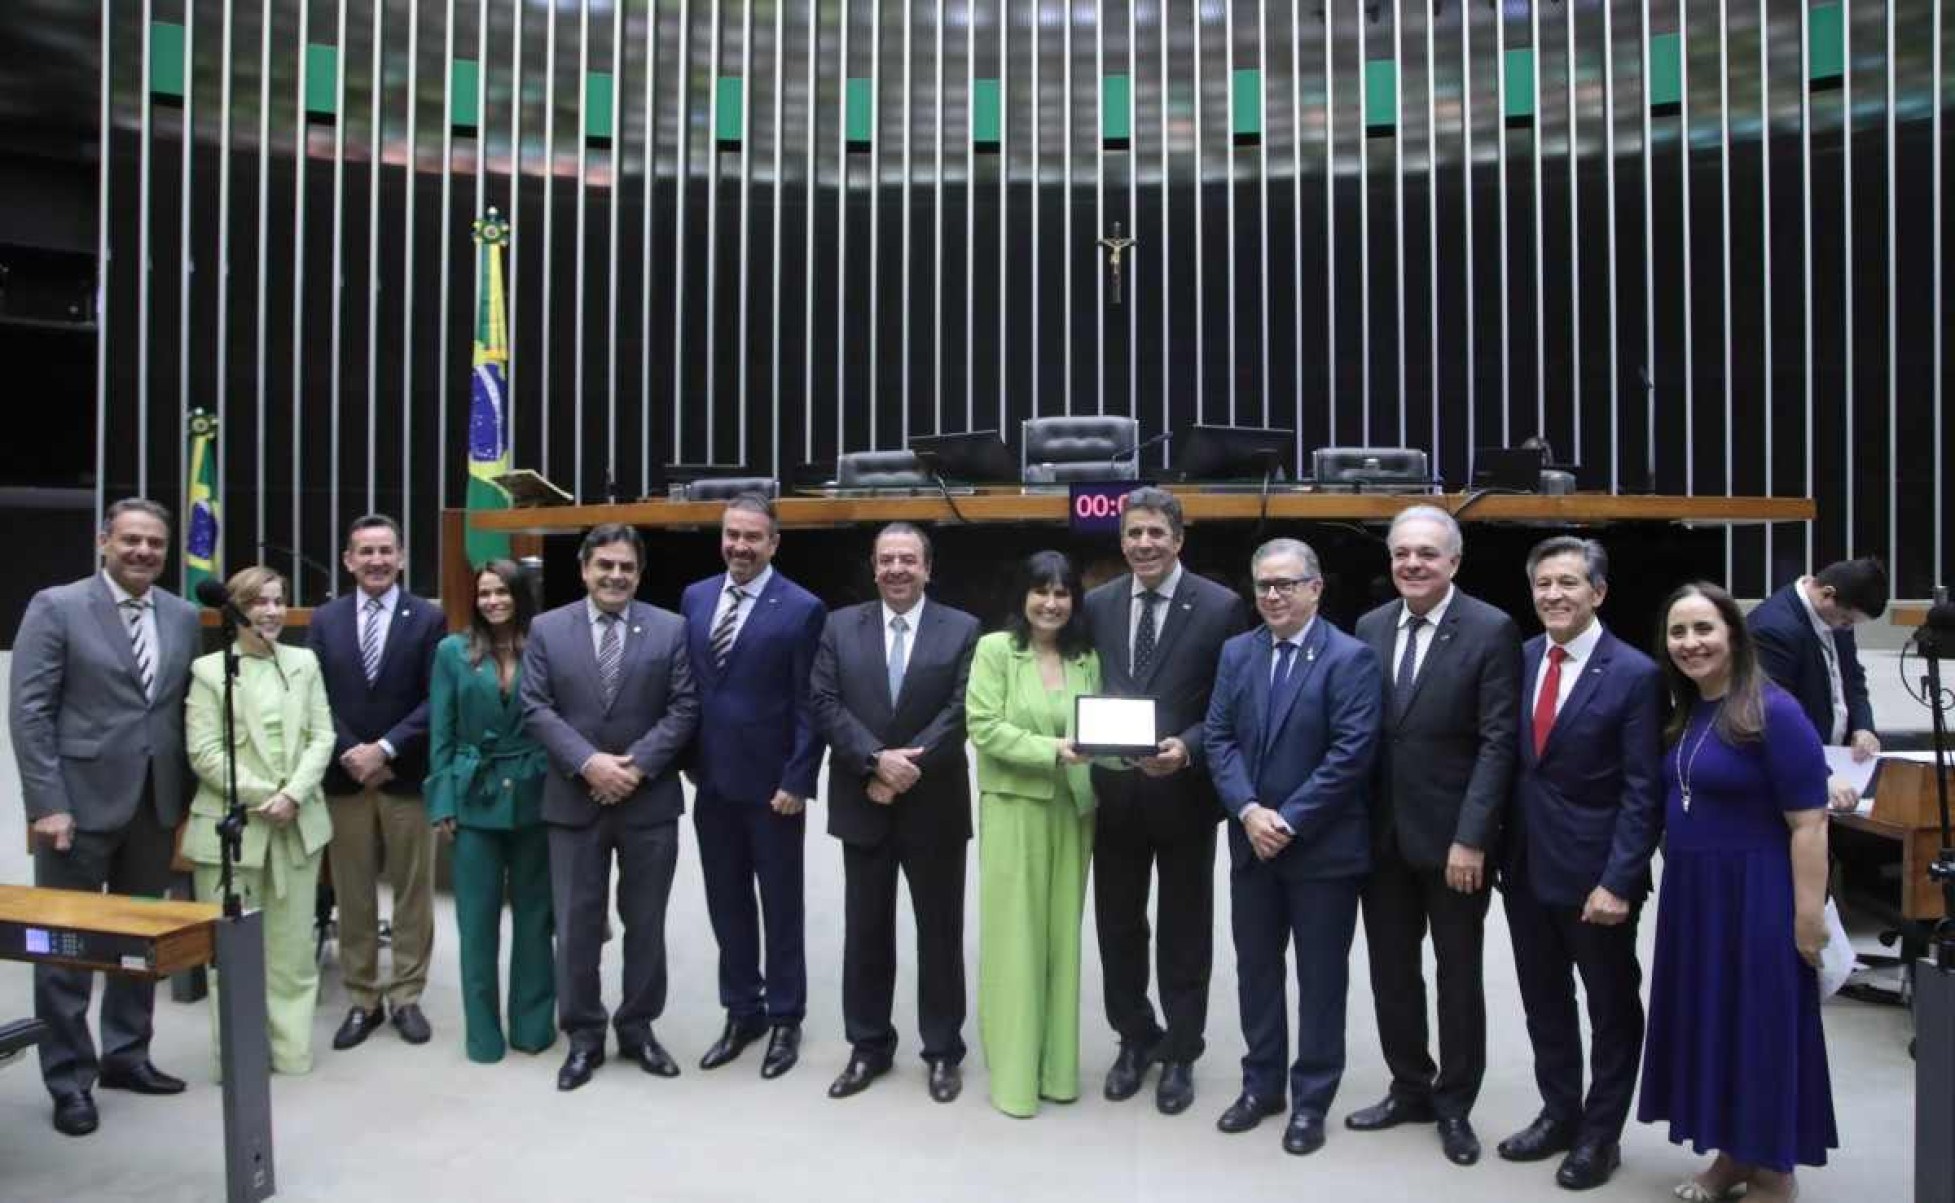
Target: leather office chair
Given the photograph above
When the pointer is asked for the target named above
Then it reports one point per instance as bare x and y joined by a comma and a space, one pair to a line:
725, 488
1064, 449
1394, 469
880, 470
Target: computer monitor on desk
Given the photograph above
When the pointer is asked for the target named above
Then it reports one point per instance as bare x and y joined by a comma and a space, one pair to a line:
1224, 453
974, 457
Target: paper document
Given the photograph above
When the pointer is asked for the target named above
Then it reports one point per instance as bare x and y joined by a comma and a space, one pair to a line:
1840, 763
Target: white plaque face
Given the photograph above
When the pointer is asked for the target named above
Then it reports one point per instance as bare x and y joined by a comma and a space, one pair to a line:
1116, 726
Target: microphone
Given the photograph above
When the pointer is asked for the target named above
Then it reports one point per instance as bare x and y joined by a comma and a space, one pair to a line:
1132, 454
1935, 638
218, 598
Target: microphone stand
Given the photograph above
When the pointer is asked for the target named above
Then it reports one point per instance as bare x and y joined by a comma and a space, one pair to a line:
230, 829
1934, 983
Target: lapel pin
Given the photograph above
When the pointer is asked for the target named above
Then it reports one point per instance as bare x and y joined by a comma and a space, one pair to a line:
636, 630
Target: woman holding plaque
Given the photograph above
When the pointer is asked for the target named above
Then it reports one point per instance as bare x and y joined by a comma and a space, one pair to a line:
282, 732
1035, 835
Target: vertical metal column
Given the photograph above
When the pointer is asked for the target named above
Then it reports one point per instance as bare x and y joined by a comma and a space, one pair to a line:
185, 264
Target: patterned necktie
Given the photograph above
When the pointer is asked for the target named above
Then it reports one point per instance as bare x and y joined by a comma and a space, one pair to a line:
1549, 699
897, 658
721, 644
370, 639
139, 644
610, 657
1408, 664
1285, 659
1144, 634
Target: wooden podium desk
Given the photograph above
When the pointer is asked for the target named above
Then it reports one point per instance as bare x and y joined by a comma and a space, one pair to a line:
1906, 823
111, 933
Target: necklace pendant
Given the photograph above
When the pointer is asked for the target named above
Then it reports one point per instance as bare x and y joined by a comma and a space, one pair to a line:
1686, 801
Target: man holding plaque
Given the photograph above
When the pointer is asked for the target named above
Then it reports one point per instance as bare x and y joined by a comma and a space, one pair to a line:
1159, 630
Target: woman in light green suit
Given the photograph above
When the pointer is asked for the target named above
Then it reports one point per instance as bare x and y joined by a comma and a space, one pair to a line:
283, 733
1035, 835
485, 790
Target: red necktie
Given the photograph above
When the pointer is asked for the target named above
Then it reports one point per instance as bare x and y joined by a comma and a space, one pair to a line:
1544, 702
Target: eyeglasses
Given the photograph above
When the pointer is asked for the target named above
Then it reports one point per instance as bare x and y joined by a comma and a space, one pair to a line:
1280, 586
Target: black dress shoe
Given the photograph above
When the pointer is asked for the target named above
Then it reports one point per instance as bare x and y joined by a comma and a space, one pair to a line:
1588, 1165
1539, 1141
738, 1034
1247, 1111
783, 1050
412, 1025
1304, 1134
74, 1114
855, 1078
651, 1057
1390, 1113
579, 1066
1457, 1138
358, 1025
140, 1078
946, 1081
1176, 1089
1129, 1068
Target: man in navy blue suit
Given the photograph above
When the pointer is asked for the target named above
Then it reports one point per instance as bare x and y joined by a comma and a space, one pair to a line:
1587, 813
1804, 634
1290, 734
751, 636
376, 653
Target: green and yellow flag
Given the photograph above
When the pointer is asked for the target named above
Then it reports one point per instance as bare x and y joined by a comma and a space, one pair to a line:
200, 554
488, 413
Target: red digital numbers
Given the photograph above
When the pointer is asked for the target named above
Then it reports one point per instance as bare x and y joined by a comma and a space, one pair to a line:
1098, 506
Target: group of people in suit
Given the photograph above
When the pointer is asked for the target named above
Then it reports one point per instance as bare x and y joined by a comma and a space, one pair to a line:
1395, 773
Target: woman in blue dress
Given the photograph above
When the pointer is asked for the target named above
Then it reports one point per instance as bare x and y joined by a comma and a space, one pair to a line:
1735, 1059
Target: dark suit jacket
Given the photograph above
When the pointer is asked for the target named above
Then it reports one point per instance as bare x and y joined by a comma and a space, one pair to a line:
85, 734
1789, 652
1305, 753
650, 720
1446, 756
851, 702
1589, 810
1193, 628
756, 726
395, 706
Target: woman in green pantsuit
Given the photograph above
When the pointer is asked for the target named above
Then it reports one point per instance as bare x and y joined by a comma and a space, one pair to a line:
283, 733
485, 791
1035, 835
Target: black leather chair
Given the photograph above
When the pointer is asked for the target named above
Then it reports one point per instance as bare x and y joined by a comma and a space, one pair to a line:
1064, 449
725, 488
880, 470
1383, 469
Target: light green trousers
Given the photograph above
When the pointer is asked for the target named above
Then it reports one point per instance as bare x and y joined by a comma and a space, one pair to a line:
291, 969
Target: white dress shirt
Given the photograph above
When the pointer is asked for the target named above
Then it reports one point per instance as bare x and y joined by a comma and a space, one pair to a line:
913, 618
1161, 608
1579, 649
1433, 618
150, 629
1830, 653
591, 615
1297, 641
752, 589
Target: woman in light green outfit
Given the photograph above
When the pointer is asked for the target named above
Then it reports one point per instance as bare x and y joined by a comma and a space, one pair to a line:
1035, 835
283, 733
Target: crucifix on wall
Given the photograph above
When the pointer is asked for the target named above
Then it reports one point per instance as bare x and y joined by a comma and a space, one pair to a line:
1115, 246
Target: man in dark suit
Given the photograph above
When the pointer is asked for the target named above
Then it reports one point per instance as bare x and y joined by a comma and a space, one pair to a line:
608, 691
1445, 765
1575, 867
1804, 634
751, 636
1290, 735
96, 712
376, 653
1158, 630
889, 698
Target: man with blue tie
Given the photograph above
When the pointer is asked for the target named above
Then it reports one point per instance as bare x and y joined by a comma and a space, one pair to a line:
751, 636
1587, 813
1291, 729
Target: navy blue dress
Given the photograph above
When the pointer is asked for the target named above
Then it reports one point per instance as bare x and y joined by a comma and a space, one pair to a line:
1735, 1059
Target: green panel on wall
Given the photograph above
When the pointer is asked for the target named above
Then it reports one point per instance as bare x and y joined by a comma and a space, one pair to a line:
464, 78
600, 113
987, 114
861, 109
165, 58
1666, 70
1117, 109
1520, 84
1826, 35
732, 121
1380, 94
322, 80
1246, 103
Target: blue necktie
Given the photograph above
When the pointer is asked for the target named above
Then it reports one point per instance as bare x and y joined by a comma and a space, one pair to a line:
1285, 658
896, 657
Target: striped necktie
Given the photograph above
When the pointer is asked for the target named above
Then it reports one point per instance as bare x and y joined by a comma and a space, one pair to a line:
610, 657
722, 642
898, 657
370, 640
139, 644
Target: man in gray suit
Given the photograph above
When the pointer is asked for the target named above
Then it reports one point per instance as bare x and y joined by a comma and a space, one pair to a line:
607, 691
99, 671
1445, 763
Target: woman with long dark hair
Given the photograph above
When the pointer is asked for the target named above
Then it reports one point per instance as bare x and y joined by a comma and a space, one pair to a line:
1035, 834
1735, 1058
485, 791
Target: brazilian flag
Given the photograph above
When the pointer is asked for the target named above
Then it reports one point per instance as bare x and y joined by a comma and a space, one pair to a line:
488, 409
200, 557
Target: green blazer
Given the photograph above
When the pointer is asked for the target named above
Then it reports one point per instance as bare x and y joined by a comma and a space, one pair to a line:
306, 723
483, 769
1004, 709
